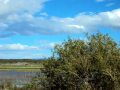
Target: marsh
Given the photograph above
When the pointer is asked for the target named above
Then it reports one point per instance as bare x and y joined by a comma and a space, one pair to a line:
19, 78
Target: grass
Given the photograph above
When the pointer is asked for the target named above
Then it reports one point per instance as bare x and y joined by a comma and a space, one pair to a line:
21, 66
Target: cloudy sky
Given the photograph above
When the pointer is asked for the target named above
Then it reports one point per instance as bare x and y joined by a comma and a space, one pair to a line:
31, 28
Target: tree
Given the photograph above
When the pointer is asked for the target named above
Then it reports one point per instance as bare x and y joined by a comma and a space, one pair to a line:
93, 64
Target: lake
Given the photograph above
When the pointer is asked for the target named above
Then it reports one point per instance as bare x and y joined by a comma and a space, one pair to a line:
18, 78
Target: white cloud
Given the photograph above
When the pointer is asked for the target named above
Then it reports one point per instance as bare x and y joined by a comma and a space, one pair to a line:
100, 0
23, 55
18, 47
44, 14
76, 26
20, 6
110, 4
6, 1
28, 24
3, 25
45, 44
21, 51
79, 23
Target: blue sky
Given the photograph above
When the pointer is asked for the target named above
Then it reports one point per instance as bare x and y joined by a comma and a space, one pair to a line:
31, 28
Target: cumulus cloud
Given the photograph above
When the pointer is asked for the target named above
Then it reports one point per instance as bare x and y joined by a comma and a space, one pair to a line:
25, 51
20, 6
23, 21
44, 45
18, 47
27, 24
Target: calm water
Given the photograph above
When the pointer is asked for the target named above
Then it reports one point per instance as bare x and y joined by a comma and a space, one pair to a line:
16, 77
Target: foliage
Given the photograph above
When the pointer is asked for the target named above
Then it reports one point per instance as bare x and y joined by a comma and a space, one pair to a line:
93, 64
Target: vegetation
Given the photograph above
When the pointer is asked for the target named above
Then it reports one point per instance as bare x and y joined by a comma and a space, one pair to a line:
21, 64
93, 64
22, 60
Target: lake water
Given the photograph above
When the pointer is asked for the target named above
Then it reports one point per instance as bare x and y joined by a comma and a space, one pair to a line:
16, 77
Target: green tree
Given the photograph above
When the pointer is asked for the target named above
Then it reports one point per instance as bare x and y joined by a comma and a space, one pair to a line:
93, 64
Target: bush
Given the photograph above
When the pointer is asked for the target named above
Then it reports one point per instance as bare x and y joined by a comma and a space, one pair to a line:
93, 64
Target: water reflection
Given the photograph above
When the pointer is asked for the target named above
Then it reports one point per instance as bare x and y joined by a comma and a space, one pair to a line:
16, 77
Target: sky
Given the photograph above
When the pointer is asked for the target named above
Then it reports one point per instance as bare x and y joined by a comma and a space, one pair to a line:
31, 28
